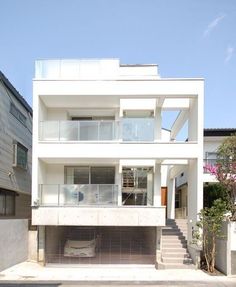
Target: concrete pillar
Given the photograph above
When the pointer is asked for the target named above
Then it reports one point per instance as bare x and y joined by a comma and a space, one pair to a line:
157, 186
118, 119
195, 194
171, 198
157, 125
119, 182
41, 244
158, 244
32, 245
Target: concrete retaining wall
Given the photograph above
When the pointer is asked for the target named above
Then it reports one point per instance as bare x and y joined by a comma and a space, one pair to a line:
226, 249
13, 242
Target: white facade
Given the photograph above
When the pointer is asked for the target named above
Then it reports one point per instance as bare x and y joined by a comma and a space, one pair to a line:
97, 116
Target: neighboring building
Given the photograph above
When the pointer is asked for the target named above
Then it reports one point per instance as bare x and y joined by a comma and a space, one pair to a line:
212, 140
16, 151
15, 174
103, 166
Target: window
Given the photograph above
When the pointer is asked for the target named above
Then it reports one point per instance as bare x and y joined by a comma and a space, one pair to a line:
90, 175
20, 155
17, 114
136, 177
211, 158
178, 199
102, 175
7, 202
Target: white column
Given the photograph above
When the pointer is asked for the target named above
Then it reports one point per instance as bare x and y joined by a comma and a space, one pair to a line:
195, 194
41, 244
119, 181
158, 245
118, 118
171, 198
157, 186
157, 124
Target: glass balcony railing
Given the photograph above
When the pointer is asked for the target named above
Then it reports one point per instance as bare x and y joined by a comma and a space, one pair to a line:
129, 129
78, 194
78, 130
138, 129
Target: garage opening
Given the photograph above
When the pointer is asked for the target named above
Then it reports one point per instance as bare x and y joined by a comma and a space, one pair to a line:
100, 245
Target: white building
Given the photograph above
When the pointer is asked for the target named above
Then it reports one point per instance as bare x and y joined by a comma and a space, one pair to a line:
103, 167
212, 139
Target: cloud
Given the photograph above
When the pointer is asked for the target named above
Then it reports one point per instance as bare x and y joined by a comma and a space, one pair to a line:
229, 53
213, 24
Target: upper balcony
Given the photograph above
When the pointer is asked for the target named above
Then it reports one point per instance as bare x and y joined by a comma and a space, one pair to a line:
92, 69
135, 129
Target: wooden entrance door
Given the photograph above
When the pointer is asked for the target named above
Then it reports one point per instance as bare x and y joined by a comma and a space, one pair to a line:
164, 197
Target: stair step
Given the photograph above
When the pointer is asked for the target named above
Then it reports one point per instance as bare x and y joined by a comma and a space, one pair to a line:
173, 242
175, 266
181, 255
177, 260
174, 246
174, 250
171, 236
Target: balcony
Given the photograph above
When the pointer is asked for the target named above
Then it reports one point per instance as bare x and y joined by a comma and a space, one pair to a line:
78, 194
78, 131
129, 129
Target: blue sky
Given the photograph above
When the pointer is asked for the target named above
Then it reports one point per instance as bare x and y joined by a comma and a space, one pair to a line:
186, 38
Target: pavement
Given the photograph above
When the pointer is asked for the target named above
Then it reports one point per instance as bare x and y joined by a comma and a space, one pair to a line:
33, 274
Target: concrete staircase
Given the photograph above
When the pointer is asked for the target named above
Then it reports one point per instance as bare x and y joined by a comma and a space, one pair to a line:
174, 246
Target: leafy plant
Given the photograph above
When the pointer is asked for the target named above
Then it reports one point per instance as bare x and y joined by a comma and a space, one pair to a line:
225, 171
208, 229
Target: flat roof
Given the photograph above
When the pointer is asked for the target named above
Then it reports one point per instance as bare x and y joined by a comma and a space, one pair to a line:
219, 132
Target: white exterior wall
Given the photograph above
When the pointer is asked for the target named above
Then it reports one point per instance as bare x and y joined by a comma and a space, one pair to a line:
211, 144
67, 89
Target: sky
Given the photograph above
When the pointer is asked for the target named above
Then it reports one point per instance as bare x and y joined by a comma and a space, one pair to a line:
186, 38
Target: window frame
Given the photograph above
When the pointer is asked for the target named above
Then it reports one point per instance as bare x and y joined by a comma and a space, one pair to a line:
6, 195
89, 168
16, 161
18, 114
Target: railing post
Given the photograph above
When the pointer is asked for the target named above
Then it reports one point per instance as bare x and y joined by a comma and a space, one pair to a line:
41, 193
78, 129
58, 194
59, 130
98, 125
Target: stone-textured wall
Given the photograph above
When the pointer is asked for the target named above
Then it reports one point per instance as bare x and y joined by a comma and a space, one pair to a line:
13, 242
233, 262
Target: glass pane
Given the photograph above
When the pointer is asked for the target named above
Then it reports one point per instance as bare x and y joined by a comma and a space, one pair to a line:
81, 175
102, 175
89, 194
88, 130
49, 194
10, 204
49, 131
2, 204
142, 179
138, 129
107, 194
69, 130
21, 156
106, 130
69, 194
